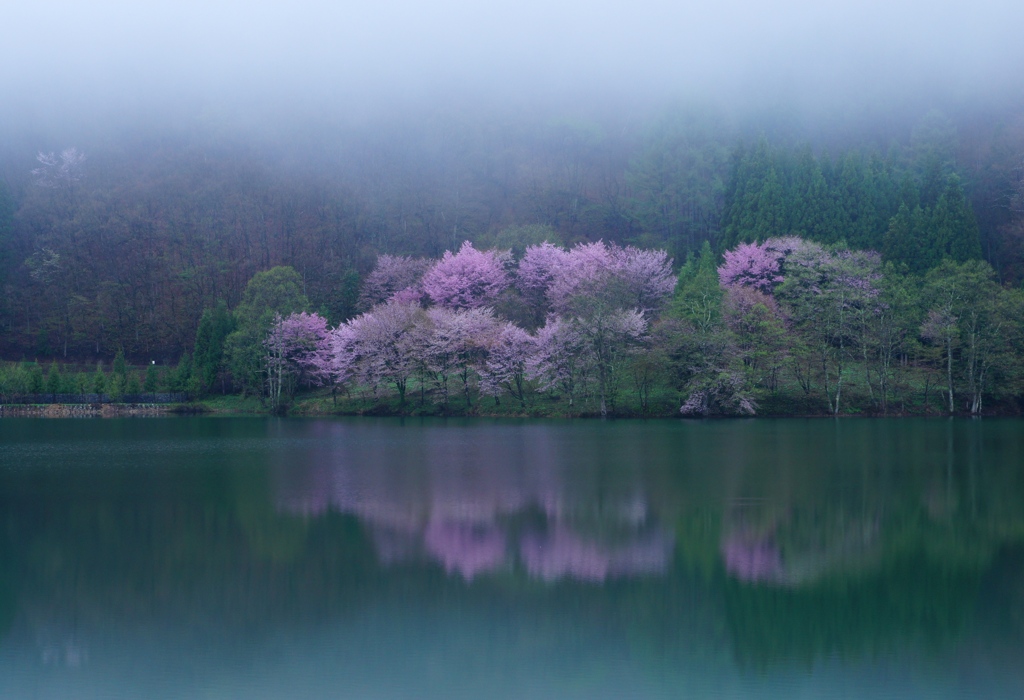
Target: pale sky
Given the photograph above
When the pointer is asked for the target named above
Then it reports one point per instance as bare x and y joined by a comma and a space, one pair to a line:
116, 52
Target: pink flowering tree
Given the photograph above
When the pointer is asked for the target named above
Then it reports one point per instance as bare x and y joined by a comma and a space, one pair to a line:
469, 279
645, 276
457, 345
535, 274
611, 336
751, 265
298, 350
382, 346
585, 272
393, 275
561, 360
506, 366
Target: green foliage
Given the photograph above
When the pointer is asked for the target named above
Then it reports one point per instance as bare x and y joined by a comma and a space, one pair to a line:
152, 382
277, 291
134, 386
116, 386
99, 380
54, 381
519, 238
341, 305
906, 240
698, 295
678, 180
36, 381
120, 367
178, 380
974, 321
215, 326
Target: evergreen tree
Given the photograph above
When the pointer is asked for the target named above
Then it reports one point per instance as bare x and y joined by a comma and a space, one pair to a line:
955, 230
54, 381
99, 380
120, 367
907, 241
152, 382
179, 380
36, 380
698, 296
214, 327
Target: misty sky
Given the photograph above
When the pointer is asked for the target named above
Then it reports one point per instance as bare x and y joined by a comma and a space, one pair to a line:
97, 53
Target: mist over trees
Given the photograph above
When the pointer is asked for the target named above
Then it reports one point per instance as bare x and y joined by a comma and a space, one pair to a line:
123, 244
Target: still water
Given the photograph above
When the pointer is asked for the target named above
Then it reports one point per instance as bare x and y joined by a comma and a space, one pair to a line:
386, 558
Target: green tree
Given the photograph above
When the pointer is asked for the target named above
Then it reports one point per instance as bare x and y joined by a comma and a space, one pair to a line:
37, 382
152, 382
275, 291
99, 380
907, 241
954, 228
970, 316
54, 381
215, 326
120, 367
698, 295
678, 181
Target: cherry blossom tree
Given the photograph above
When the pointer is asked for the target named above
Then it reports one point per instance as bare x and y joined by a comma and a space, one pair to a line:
394, 275
584, 272
646, 277
457, 344
751, 265
506, 366
382, 346
468, 279
535, 274
561, 359
298, 349
612, 336
719, 394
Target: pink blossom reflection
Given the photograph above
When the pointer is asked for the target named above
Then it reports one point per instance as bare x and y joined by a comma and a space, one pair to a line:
562, 553
466, 548
477, 508
752, 559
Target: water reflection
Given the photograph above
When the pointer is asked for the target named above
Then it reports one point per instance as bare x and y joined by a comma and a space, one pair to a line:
514, 503
251, 558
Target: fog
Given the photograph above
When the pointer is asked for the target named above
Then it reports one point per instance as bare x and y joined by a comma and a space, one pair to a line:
64, 61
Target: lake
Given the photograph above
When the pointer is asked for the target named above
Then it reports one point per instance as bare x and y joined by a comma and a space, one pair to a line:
431, 558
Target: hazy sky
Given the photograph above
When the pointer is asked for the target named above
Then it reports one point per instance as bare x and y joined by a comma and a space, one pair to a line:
107, 53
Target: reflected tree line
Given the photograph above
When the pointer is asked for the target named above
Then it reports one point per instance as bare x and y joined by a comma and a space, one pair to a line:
763, 554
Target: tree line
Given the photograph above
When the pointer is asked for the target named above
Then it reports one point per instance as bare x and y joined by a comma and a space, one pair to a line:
122, 249
786, 325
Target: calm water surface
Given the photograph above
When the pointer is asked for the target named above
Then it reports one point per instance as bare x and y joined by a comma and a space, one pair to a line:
378, 558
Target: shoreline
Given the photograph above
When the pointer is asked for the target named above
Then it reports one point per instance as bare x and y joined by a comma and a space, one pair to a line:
113, 410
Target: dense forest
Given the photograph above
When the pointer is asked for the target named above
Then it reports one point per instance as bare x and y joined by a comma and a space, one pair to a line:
148, 247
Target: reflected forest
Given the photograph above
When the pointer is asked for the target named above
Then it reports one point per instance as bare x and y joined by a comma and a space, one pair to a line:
531, 533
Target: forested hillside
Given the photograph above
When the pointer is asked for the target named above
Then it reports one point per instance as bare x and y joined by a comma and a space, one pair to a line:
119, 244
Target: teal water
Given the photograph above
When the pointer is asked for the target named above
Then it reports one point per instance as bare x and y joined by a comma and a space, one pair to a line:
388, 558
